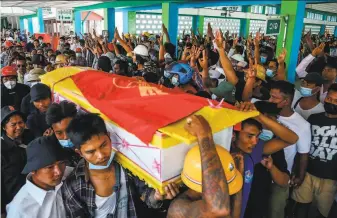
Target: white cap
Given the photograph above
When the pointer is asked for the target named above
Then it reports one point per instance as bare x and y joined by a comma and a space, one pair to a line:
141, 50
240, 59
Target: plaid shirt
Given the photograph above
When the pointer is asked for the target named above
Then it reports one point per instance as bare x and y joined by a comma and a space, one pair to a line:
79, 194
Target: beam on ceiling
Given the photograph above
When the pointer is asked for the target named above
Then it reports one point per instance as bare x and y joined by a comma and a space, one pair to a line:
123, 4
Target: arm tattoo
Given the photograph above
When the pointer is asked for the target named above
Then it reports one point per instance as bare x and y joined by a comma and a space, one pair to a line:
214, 184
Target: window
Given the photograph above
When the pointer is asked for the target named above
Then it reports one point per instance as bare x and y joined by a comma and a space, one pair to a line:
233, 25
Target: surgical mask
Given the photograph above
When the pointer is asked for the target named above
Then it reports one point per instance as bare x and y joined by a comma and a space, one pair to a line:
175, 81
10, 84
66, 143
330, 108
305, 92
41, 41
98, 167
61, 42
266, 135
78, 55
263, 59
270, 73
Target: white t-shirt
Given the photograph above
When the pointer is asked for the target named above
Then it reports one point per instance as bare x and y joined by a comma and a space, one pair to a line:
105, 205
301, 127
319, 108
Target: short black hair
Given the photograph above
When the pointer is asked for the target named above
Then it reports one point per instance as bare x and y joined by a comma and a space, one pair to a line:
239, 49
252, 122
123, 65
57, 112
20, 58
333, 87
62, 38
285, 87
170, 48
104, 63
83, 127
214, 57
36, 40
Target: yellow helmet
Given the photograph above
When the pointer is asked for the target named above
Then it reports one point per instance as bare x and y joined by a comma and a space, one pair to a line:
61, 59
192, 174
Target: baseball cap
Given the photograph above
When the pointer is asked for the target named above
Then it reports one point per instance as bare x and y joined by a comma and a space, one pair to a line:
214, 74
42, 152
224, 90
8, 111
314, 78
39, 91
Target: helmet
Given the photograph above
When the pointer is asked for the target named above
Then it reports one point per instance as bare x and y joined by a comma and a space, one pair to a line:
61, 59
184, 71
192, 173
141, 50
8, 71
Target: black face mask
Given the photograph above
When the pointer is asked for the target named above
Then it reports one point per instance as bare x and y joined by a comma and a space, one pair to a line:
330, 108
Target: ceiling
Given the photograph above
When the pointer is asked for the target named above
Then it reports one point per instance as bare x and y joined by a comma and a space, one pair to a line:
327, 7
33, 5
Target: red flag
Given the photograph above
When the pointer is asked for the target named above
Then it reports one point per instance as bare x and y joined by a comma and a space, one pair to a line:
140, 108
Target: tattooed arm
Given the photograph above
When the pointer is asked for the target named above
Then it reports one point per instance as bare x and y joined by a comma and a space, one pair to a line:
214, 200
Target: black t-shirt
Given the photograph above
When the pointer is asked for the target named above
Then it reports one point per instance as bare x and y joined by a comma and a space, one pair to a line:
260, 190
323, 152
13, 97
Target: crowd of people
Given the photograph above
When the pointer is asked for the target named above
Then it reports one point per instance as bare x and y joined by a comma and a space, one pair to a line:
58, 162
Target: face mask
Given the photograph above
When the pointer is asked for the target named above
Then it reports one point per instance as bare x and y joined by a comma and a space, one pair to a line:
78, 55
305, 92
270, 73
66, 143
175, 81
61, 42
97, 167
10, 84
263, 59
266, 135
330, 108
52, 62
40, 41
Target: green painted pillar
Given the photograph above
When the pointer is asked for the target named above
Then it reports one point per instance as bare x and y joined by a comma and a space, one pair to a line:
200, 24
170, 19
296, 11
244, 23
132, 22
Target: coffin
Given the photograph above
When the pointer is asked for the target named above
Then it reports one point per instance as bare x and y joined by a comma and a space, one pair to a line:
159, 161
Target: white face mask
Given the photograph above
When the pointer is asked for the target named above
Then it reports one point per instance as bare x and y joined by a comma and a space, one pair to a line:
10, 84
78, 55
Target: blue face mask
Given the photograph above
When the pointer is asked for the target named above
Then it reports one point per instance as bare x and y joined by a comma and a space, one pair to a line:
99, 167
263, 59
305, 92
266, 135
66, 143
270, 73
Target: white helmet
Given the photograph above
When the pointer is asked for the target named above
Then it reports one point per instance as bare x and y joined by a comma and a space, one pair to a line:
141, 50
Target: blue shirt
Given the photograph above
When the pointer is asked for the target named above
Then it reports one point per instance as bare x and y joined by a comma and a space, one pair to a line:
249, 162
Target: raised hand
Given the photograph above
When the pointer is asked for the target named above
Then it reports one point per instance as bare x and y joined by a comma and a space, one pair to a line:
197, 126
204, 61
282, 56
257, 38
164, 29
318, 50
219, 39
246, 106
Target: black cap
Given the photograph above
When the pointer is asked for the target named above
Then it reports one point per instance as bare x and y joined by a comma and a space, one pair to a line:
314, 78
42, 152
38, 59
39, 91
9, 111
